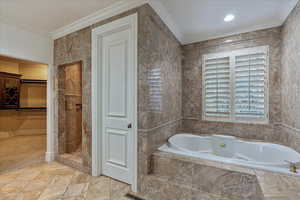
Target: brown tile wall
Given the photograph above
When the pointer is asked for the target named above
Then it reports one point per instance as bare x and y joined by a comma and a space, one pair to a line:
192, 84
159, 54
69, 49
290, 77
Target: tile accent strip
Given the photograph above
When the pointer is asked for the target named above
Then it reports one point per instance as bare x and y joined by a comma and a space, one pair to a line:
160, 126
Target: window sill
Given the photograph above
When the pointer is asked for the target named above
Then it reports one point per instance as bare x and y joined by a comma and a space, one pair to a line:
244, 121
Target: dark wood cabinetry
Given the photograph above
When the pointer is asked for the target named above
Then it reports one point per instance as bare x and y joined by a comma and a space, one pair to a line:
9, 90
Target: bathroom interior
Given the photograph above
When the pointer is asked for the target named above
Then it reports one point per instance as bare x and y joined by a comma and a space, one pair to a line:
241, 89
202, 116
22, 113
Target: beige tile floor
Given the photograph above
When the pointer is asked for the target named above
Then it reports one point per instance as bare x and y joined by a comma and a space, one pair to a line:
21, 151
75, 157
53, 181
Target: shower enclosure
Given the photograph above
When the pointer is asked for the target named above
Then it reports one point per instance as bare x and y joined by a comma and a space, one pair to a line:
70, 113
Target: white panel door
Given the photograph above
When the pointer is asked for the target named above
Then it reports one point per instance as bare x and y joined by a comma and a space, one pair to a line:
118, 104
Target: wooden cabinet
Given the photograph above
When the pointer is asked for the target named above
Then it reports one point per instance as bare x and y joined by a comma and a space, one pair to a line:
33, 94
9, 90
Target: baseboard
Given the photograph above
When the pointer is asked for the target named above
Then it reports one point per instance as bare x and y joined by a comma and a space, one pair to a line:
50, 156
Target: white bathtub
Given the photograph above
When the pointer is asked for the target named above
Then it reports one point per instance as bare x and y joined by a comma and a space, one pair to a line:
228, 149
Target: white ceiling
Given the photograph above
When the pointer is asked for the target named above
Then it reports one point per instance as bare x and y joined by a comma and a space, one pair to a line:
44, 16
190, 20
203, 19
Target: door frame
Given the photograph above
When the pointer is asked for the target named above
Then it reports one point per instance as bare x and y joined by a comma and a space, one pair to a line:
128, 21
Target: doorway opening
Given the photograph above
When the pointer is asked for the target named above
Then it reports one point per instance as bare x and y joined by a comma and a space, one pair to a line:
70, 113
23, 117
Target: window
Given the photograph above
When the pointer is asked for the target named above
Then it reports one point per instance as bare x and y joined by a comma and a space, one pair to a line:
235, 86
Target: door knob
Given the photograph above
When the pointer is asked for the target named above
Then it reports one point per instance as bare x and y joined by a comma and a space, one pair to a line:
129, 125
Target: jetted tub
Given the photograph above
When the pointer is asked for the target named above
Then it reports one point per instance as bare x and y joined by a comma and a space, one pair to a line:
229, 149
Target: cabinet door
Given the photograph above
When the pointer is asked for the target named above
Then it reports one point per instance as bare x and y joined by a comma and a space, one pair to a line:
10, 91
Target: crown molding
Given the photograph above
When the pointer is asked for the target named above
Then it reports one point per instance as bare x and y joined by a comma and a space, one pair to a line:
161, 10
115, 9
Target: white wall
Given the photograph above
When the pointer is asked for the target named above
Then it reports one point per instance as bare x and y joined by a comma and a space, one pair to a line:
18, 43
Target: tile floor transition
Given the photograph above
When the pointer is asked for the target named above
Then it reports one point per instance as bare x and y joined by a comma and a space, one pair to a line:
21, 151
54, 181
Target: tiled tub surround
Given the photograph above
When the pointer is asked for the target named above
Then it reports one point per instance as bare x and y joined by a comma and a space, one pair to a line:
173, 174
177, 177
289, 136
202, 176
159, 57
192, 85
290, 81
236, 151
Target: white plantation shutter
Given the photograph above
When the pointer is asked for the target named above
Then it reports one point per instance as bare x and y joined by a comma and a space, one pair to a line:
155, 89
250, 84
217, 87
235, 86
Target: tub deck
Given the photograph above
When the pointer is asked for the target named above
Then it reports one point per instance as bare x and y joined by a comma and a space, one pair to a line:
182, 177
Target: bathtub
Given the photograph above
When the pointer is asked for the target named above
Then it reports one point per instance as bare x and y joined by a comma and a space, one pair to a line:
229, 149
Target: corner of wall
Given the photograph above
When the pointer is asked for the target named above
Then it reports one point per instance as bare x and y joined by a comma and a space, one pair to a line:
160, 9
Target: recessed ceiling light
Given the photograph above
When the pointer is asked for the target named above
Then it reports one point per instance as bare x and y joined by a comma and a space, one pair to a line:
229, 18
